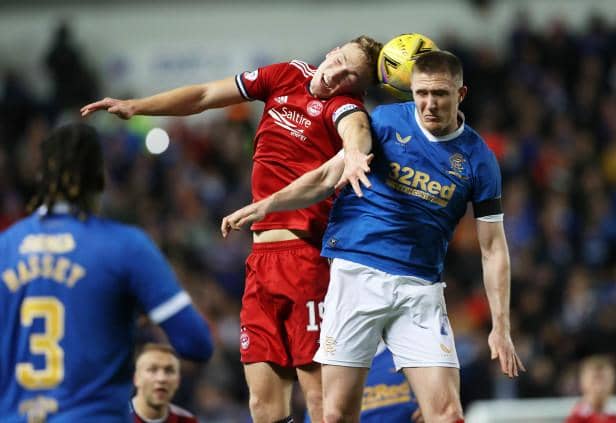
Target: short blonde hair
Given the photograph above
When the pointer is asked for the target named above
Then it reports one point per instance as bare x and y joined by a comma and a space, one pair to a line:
437, 61
156, 346
371, 49
597, 362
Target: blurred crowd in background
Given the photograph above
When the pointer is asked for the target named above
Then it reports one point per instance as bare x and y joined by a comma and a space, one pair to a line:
545, 104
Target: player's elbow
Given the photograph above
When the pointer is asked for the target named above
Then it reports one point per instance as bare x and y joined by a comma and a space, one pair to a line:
197, 346
189, 334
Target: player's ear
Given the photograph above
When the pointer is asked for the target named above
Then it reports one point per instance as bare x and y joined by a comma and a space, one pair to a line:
462, 91
135, 377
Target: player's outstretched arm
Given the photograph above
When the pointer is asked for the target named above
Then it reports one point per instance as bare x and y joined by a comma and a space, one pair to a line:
310, 188
496, 276
187, 100
354, 129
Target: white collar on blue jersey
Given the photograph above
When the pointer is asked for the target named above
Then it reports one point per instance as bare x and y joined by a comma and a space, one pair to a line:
447, 137
61, 207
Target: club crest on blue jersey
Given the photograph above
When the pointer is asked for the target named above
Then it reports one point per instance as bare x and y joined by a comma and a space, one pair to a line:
37, 408
444, 329
457, 162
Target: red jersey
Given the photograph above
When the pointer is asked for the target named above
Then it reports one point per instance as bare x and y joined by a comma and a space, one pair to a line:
297, 133
583, 413
176, 415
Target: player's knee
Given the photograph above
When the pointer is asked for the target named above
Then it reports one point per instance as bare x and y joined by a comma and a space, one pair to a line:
449, 413
333, 416
265, 409
338, 416
261, 410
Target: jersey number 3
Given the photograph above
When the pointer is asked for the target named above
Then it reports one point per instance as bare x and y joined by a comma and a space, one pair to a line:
51, 310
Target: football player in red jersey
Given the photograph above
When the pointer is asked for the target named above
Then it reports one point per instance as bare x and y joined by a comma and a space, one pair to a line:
597, 384
157, 377
309, 112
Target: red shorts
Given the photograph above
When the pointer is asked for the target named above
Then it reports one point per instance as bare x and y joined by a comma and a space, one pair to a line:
286, 282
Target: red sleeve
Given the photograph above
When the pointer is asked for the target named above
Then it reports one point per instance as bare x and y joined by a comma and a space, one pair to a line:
256, 85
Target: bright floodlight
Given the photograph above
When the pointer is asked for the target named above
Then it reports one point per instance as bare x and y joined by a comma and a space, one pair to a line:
157, 140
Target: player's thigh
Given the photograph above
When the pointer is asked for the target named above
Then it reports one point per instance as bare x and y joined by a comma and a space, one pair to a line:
437, 389
357, 306
309, 377
310, 381
343, 389
268, 382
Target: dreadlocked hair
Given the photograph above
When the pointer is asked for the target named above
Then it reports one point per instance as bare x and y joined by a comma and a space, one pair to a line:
71, 169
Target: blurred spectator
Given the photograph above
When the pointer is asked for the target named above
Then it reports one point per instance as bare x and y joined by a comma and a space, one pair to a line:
596, 384
157, 378
73, 83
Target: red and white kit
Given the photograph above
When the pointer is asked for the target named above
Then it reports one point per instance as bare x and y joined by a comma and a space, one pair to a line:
286, 281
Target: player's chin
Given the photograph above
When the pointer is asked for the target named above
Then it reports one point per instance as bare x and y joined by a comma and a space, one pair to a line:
325, 93
161, 397
431, 125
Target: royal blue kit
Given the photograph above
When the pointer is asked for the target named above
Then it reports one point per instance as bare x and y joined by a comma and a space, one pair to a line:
70, 292
421, 186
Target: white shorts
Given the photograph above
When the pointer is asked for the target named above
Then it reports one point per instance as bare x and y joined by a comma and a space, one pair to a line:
363, 305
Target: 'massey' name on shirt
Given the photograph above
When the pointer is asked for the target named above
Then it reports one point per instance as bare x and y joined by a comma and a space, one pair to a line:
45, 264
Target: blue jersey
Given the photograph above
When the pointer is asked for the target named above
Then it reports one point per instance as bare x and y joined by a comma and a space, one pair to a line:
421, 186
387, 394
69, 296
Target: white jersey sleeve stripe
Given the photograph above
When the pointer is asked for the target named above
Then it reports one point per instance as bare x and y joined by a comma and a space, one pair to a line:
303, 67
170, 307
240, 86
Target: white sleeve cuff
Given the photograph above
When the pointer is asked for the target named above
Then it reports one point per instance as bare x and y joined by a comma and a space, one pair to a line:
170, 307
492, 218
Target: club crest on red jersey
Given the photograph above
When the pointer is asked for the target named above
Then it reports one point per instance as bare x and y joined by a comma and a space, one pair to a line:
244, 341
314, 108
251, 76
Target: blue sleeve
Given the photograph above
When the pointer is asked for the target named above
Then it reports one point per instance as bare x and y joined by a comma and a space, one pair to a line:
151, 279
189, 334
157, 290
487, 184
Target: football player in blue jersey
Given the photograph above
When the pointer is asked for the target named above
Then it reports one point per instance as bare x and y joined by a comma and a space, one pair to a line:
71, 287
388, 244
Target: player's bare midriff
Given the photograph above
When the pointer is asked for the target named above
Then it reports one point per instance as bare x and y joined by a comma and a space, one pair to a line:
274, 235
